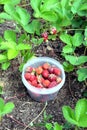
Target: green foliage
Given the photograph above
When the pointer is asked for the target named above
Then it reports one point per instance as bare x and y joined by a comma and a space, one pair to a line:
11, 48
82, 74
78, 116
5, 108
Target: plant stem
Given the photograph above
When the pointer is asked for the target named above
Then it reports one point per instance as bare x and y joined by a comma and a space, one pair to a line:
74, 29
76, 128
85, 50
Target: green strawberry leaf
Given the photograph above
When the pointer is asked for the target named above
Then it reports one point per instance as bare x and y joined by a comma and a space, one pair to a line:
81, 112
48, 126
8, 108
74, 60
2, 104
69, 115
57, 126
77, 39
22, 46
3, 58
82, 74
12, 54
46, 15
10, 35
5, 65
66, 38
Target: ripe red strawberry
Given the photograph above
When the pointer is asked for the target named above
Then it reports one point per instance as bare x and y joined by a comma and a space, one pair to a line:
45, 73
52, 77
39, 70
45, 36
29, 69
46, 83
45, 65
53, 31
27, 76
50, 69
34, 83
32, 77
52, 84
59, 79
57, 71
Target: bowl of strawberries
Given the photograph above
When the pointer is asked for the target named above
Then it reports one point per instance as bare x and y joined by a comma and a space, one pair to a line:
43, 77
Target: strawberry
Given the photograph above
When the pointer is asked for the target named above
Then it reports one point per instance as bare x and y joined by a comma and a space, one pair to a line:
59, 79
52, 84
45, 73
34, 83
53, 31
45, 36
50, 69
40, 79
56, 71
45, 65
46, 83
52, 77
39, 86
32, 77
39, 70
29, 69
27, 76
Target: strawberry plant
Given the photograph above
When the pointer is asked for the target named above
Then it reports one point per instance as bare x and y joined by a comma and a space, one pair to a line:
78, 116
11, 48
5, 108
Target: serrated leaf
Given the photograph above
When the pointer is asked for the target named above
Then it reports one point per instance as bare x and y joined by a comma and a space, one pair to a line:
46, 16
22, 46
15, 2
68, 67
77, 39
1, 105
5, 16
66, 38
9, 9
48, 5
1, 39
23, 14
10, 35
68, 114
81, 112
8, 108
3, 58
48, 126
57, 126
4, 1
75, 6
68, 49
22, 38
8, 45
33, 27
12, 54
82, 74
64, 3
83, 121
74, 60
35, 4
83, 7
5, 65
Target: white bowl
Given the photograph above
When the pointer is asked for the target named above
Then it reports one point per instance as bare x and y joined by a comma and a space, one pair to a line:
43, 94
